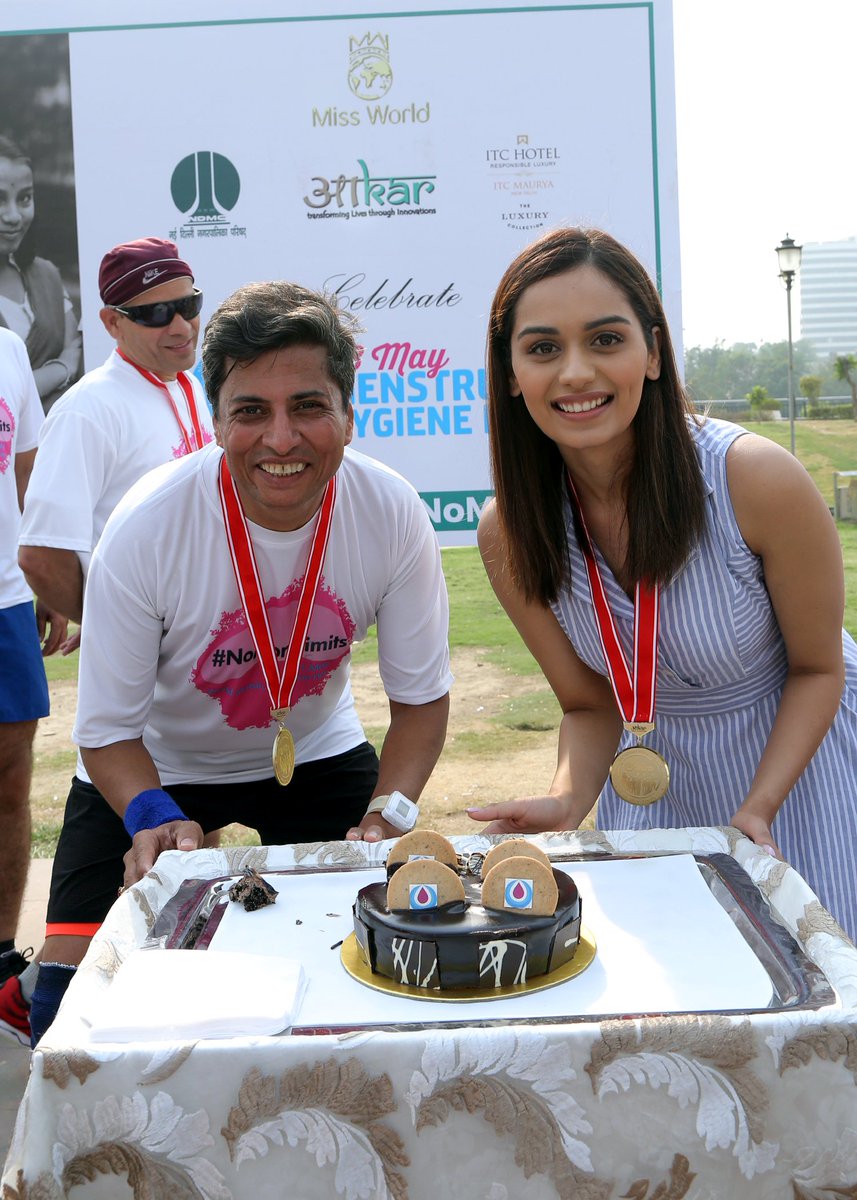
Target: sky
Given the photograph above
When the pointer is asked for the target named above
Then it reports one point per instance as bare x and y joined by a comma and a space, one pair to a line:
766, 119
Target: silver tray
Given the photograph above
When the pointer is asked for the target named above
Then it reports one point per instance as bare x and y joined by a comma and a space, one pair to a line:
188, 921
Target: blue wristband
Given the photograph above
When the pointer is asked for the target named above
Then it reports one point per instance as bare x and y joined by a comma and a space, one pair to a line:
151, 808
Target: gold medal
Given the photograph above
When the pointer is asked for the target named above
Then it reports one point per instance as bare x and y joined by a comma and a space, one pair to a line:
639, 775
280, 683
284, 756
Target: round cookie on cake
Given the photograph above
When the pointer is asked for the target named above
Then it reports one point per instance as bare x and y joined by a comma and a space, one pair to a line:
444, 922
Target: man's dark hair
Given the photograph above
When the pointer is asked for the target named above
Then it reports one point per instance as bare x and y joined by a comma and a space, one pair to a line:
261, 317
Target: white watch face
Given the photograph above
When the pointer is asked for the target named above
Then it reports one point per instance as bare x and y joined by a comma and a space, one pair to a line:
400, 812
401, 807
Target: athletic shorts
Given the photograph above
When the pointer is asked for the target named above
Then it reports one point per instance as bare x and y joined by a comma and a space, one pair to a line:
323, 801
23, 687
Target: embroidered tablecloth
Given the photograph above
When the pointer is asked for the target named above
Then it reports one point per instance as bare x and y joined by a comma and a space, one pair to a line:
761, 1105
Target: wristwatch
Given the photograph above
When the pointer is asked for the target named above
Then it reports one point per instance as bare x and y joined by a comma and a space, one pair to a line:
397, 810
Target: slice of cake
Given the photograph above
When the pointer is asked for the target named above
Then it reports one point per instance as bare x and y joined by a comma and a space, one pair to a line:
252, 891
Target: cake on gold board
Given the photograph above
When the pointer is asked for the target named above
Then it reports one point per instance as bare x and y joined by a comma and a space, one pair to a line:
444, 924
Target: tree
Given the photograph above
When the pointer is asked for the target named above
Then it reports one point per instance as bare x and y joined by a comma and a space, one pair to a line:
719, 372
845, 367
761, 403
811, 385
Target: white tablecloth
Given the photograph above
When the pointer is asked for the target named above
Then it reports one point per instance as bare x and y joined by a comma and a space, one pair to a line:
762, 1105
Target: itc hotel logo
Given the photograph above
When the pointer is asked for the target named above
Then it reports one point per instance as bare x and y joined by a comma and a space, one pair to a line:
206, 186
521, 175
370, 75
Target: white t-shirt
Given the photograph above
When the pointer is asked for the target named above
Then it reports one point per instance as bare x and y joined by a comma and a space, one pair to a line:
110, 428
166, 650
21, 419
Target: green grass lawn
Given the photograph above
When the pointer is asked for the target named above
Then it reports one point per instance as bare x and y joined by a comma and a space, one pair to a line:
822, 446
848, 538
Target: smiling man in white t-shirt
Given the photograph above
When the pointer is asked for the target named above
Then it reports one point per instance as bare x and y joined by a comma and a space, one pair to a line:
221, 606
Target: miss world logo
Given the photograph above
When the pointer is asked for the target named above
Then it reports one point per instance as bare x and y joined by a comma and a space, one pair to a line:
208, 184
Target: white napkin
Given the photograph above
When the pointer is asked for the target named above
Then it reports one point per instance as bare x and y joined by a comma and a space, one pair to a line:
168, 994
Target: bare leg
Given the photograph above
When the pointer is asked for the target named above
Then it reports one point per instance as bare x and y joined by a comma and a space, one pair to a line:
65, 948
16, 767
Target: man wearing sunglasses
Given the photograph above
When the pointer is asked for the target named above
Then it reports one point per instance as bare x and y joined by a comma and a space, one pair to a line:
138, 410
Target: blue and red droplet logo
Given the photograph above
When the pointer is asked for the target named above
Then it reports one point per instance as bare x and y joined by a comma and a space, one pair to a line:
422, 895
518, 893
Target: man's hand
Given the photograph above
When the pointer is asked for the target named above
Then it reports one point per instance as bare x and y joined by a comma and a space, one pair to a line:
536, 814
45, 618
149, 843
71, 644
372, 828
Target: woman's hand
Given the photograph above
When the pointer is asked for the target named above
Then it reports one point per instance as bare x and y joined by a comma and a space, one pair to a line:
757, 830
535, 814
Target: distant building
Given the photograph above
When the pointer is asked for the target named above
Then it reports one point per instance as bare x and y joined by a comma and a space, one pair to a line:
828, 296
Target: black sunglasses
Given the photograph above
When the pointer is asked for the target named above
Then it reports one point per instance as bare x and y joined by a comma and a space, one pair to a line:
156, 316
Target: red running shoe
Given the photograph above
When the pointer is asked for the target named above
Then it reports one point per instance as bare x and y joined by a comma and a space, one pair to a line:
14, 1012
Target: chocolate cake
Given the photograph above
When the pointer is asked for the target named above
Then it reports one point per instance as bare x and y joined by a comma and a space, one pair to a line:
462, 943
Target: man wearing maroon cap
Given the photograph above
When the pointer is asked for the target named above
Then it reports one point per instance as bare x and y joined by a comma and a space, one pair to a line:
136, 412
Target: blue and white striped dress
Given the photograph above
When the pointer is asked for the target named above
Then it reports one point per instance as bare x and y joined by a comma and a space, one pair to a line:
721, 667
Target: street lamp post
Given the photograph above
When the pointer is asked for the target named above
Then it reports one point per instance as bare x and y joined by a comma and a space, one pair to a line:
788, 259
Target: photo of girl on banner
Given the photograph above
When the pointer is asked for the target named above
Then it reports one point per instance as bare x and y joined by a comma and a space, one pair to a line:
39, 272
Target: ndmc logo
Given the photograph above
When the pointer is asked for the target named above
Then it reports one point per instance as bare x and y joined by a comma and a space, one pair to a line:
206, 183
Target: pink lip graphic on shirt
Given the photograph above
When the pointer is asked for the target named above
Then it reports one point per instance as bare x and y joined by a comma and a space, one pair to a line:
228, 670
7, 430
182, 449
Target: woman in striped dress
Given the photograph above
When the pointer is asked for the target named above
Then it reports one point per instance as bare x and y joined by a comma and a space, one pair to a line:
615, 506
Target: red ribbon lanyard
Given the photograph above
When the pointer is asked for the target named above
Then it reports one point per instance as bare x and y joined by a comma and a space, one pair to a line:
198, 440
634, 688
280, 684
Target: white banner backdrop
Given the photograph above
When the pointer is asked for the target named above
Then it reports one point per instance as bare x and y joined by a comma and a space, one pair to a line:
398, 159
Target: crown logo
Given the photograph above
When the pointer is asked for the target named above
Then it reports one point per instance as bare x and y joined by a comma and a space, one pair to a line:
370, 75
377, 43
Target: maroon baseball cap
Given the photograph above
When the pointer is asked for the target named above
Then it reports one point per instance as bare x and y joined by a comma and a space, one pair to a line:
134, 267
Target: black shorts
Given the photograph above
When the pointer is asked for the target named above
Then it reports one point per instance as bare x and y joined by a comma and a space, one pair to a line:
323, 801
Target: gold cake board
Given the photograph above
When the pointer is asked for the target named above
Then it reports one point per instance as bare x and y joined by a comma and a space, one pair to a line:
354, 964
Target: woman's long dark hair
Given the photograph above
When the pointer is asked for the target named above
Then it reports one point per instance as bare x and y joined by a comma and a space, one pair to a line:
664, 496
